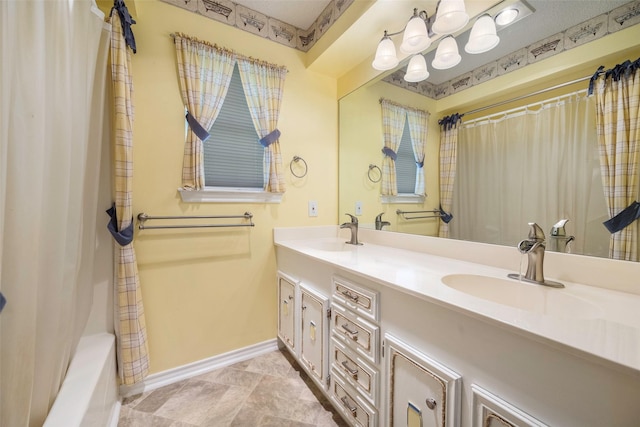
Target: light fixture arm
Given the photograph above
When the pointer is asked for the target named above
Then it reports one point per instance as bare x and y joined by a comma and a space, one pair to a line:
423, 15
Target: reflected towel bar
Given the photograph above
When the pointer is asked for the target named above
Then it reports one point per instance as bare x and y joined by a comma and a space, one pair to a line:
143, 217
435, 213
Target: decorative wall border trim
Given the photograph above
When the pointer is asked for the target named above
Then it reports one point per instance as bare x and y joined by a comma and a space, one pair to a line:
200, 367
254, 22
613, 21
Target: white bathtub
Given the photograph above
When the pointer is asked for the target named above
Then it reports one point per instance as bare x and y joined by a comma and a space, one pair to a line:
89, 393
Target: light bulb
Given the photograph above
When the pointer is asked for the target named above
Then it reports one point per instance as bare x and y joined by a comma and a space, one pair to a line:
447, 55
483, 36
386, 58
417, 69
450, 17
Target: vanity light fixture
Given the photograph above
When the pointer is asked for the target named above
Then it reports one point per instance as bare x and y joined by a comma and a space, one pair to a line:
450, 17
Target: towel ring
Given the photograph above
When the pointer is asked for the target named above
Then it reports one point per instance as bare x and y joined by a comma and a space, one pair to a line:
296, 159
372, 167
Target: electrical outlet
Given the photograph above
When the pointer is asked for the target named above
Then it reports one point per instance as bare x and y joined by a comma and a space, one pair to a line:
358, 208
313, 208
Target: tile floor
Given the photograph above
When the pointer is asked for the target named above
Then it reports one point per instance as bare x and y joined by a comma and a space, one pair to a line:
269, 390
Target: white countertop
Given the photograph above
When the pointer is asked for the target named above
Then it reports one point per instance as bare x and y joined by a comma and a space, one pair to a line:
596, 322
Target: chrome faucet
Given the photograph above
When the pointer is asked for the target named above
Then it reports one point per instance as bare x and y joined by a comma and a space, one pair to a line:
534, 247
380, 223
353, 226
559, 240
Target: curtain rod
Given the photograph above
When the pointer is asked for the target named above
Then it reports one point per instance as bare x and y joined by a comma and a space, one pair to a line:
518, 98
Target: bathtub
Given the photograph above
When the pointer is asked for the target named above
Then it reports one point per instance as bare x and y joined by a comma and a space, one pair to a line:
89, 393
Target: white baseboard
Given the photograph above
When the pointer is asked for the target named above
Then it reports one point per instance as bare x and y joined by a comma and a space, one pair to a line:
115, 414
180, 373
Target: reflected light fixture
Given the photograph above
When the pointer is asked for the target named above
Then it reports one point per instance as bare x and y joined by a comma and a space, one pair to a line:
450, 17
483, 36
417, 69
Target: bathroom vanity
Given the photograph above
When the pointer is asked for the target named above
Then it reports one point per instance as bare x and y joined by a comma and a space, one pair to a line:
419, 331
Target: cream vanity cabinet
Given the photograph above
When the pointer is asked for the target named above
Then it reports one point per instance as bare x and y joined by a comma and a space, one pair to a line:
303, 326
420, 392
287, 306
355, 352
491, 411
314, 321
401, 355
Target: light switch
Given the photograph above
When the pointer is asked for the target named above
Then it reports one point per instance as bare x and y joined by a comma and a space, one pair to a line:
358, 208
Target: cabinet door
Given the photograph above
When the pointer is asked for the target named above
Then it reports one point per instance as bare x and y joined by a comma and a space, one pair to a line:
314, 334
491, 411
287, 312
421, 392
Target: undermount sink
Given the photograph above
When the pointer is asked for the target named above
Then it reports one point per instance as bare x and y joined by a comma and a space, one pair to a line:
524, 296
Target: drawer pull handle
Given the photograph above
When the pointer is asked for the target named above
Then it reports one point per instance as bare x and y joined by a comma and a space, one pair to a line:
354, 334
349, 295
352, 409
431, 403
353, 372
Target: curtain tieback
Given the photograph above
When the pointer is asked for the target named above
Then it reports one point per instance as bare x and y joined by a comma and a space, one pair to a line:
270, 138
593, 79
123, 237
196, 127
445, 216
389, 153
126, 20
624, 218
420, 164
3, 301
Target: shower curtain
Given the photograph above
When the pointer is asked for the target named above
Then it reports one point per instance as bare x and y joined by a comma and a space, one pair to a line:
536, 164
53, 57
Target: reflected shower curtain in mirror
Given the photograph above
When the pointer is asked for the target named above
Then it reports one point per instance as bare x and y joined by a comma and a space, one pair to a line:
533, 164
449, 129
617, 94
393, 120
52, 86
130, 325
418, 121
263, 86
204, 73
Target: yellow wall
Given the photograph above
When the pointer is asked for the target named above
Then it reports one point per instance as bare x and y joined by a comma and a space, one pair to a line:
360, 146
210, 291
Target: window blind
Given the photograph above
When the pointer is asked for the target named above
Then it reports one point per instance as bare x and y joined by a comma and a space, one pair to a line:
406, 164
233, 156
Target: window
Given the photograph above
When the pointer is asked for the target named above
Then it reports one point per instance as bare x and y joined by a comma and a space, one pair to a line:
406, 164
233, 155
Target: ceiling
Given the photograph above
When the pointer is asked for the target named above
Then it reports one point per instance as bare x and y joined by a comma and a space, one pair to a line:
299, 13
359, 40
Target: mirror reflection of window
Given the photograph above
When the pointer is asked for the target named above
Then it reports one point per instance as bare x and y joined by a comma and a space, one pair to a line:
406, 164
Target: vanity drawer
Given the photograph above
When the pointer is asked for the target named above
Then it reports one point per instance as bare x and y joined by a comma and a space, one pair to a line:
356, 298
355, 332
354, 371
355, 409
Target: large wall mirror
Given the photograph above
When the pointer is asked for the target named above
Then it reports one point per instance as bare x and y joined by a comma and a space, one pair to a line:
361, 140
